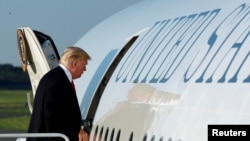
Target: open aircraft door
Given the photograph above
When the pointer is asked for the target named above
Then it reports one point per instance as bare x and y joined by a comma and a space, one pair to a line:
38, 54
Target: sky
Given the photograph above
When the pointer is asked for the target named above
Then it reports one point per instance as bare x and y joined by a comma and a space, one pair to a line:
66, 21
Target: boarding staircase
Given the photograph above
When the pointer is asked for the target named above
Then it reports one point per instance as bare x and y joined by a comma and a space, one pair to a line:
23, 136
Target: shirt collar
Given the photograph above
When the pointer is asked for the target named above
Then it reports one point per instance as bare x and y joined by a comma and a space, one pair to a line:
67, 72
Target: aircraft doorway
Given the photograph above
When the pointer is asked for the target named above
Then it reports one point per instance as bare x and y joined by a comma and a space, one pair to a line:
98, 93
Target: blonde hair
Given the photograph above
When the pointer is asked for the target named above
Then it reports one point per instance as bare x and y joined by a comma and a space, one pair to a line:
72, 53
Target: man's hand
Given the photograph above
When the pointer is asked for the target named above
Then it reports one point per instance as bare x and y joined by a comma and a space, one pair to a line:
83, 135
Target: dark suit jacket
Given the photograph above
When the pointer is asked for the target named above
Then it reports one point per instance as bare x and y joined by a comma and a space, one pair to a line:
55, 108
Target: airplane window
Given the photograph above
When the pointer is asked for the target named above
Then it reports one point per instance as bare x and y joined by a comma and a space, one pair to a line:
100, 135
112, 134
106, 134
43, 37
145, 137
96, 130
49, 48
153, 138
118, 135
161, 139
131, 137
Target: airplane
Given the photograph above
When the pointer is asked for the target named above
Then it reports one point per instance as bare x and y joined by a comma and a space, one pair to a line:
162, 70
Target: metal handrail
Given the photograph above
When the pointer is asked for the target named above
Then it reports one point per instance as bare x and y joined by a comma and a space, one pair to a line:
34, 135
29, 103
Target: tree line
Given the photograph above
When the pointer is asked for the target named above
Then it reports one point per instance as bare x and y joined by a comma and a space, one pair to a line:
13, 78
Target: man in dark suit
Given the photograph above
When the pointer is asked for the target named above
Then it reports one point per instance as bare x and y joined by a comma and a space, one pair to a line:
55, 108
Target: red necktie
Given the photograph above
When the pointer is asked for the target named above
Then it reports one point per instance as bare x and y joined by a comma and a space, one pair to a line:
73, 85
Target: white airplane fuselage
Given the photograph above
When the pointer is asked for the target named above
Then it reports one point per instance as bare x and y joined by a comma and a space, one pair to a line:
165, 70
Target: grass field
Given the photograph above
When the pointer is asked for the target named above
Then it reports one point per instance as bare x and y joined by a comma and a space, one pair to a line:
14, 113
